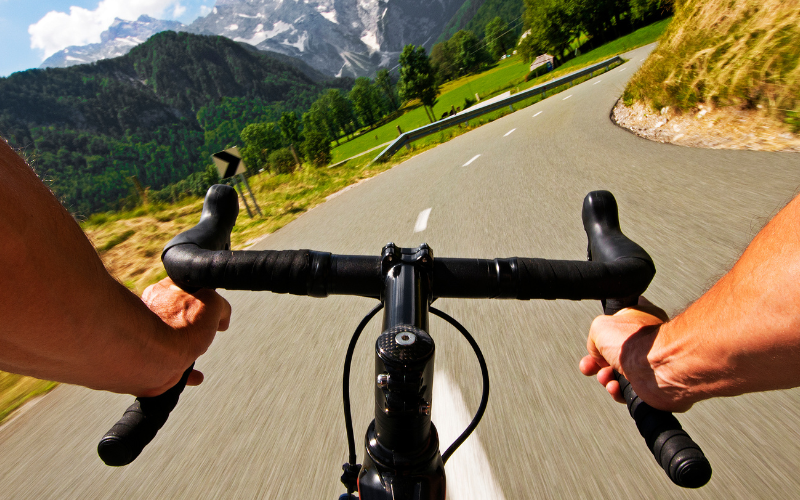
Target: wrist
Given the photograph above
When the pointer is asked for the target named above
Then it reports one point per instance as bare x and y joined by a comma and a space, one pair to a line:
650, 364
144, 355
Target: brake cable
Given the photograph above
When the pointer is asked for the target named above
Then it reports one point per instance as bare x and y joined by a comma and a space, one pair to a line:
484, 372
351, 469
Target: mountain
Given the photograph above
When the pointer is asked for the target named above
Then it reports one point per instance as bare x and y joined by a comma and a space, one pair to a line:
116, 41
157, 113
474, 15
337, 37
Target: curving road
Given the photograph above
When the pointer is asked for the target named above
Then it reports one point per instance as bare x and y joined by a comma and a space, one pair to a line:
267, 422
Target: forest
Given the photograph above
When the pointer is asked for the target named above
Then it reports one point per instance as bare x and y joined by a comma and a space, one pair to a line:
156, 113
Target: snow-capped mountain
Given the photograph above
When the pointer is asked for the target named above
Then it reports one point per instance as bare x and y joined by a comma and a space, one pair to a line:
116, 41
337, 37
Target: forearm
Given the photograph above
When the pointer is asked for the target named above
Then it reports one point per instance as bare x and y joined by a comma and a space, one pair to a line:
64, 317
743, 335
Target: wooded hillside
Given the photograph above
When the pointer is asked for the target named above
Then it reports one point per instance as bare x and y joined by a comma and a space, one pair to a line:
87, 129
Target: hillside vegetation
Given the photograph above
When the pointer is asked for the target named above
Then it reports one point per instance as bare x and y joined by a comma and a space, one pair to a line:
742, 53
474, 15
156, 113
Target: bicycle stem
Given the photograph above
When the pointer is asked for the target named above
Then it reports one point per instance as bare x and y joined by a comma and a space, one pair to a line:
402, 444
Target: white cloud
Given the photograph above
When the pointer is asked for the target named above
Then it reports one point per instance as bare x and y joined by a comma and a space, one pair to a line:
58, 30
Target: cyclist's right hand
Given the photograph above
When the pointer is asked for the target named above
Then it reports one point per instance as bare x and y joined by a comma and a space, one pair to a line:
622, 342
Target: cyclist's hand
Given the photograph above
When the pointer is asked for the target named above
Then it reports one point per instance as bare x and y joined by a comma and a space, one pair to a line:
195, 318
621, 342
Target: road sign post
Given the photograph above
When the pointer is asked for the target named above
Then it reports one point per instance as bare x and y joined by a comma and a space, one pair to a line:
230, 164
243, 178
241, 195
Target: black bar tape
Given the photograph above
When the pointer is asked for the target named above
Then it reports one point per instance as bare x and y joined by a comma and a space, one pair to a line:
676, 452
139, 425
575, 280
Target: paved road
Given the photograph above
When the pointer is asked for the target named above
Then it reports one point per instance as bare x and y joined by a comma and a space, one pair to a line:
267, 422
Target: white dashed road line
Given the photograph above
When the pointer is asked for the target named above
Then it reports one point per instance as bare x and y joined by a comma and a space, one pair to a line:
422, 221
469, 473
623, 69
598, 81
564, 99
509, 132
537, 114
471, 160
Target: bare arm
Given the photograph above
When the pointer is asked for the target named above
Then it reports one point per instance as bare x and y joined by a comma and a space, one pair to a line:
741, 336
66, 319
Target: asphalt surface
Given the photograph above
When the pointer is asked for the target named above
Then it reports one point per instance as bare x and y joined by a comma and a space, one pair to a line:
267, 423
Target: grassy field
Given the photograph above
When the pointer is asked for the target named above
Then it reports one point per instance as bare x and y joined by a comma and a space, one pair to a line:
452, 94
130, 243
508, 74
726, 53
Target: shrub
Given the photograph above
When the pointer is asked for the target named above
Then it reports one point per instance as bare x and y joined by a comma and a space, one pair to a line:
281, 161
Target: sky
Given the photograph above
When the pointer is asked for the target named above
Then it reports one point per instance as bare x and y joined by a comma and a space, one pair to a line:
32, 30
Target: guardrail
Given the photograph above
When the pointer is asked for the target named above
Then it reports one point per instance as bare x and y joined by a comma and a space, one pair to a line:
469, 114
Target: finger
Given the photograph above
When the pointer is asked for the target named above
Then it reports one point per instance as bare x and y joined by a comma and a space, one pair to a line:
216, 303
606, 375
195, 378
225, 318
589, 366
591, 347
615, 391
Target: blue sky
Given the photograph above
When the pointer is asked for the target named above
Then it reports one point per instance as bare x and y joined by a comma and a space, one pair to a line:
30, 30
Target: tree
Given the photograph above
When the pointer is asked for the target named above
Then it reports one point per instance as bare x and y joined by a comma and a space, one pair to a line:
318, 119
290, 128
366, 101
461, 55
259, 139
499, 37
417, 79
341, 114
384, 82
317, 148
468, 51
553, 25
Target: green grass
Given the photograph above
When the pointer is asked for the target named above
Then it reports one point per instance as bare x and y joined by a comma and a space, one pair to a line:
726, 53
115, 240
15, 390
453, 94
508, 74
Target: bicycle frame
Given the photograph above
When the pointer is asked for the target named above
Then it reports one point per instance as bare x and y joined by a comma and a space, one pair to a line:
403, 459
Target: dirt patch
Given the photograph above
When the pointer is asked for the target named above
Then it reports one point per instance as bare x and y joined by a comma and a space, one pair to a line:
707, 127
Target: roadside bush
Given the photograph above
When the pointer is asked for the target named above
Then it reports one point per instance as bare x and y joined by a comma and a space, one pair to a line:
281, 161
